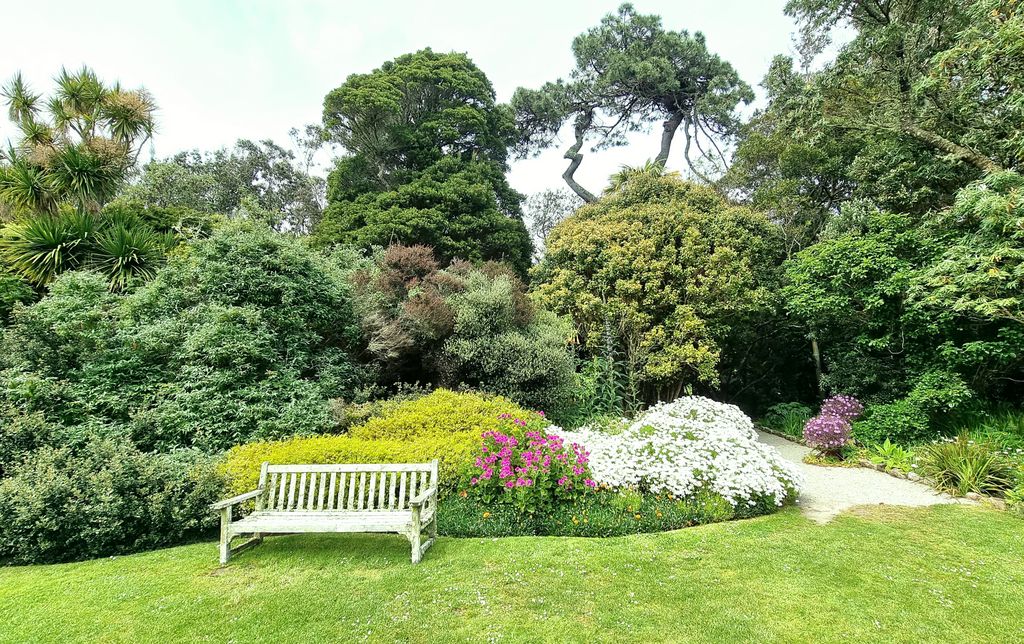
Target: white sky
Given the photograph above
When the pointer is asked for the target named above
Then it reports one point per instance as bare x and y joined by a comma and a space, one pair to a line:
221, 70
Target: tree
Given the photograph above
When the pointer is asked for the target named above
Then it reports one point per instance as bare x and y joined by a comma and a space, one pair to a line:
545, 210
631, 73
426, 157
939, 72
78, 147
659, 277
219, 182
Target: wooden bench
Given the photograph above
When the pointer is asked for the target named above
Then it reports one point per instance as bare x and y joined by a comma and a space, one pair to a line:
400, 498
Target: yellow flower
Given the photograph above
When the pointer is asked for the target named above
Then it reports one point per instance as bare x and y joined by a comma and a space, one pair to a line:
636, 516
658, 513
487, 515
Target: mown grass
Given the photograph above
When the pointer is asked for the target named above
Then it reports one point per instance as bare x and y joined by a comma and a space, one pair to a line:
947, 573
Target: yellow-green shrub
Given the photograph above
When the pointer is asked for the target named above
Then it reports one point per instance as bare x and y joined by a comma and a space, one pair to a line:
444, 425
440, 413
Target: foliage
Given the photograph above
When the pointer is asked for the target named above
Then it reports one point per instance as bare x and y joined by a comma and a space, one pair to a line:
244, 334
689, 446
450, 206
426, 159
891, 456
900, 310
547, 209
630, 73
222, 181
118, 243
81, 152
462, 325
528, 469
981, 273
668, 276
827, 434
13, 291
444, 424
106, 499
961, 465
788, 418
492, 347
597, 514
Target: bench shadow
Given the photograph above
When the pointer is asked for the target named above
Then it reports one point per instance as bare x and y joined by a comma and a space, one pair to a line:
328, 549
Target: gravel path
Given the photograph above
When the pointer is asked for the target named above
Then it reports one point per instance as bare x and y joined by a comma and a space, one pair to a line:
828, 491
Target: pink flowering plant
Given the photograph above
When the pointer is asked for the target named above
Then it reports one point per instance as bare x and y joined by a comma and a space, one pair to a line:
827, 434
842, 406
523, 465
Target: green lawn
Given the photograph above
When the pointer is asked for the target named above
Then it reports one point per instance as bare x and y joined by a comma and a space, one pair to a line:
945, 573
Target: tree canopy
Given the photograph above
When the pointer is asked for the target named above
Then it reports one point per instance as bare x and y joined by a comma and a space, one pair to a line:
425, 160
630, 73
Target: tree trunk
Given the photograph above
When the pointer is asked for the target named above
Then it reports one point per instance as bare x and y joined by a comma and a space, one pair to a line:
668, 132
817, 363
576, 158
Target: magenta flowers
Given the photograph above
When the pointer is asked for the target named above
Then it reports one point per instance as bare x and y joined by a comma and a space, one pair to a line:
528, 466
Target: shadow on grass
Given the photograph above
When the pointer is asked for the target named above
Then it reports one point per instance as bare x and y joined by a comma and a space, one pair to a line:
328, 549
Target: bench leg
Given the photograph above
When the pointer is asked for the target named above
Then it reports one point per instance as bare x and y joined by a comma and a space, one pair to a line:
225, 540
415, 534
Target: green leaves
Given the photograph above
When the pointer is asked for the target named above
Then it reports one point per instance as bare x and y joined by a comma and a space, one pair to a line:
124, 250
81, 154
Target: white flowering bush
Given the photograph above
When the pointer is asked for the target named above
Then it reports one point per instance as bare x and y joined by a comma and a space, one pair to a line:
691, 445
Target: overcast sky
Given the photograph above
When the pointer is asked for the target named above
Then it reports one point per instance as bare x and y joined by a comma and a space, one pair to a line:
221, 70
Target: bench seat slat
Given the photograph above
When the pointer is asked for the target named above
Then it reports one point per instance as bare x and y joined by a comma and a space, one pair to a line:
298, 521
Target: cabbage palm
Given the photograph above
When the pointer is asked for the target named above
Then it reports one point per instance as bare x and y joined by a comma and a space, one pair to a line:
38, 248
627, 172
77, 147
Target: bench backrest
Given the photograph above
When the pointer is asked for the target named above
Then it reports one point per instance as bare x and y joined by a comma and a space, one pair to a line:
320, 488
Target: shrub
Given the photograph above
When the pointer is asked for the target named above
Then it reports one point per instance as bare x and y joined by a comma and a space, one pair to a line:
827, 434
961, 465
241, 464
445, 425
901, 422
13, 290
243, 335
788, 418
106, 499
686, 447
528, 468
1015, 499
599, 514
530, 363
891, 456
841, 406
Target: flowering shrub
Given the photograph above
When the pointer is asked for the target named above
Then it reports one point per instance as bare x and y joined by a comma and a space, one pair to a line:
846, 407
689, 446
827, 434
524, 465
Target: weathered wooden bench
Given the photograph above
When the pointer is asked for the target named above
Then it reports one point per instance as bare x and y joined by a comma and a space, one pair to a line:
400, 498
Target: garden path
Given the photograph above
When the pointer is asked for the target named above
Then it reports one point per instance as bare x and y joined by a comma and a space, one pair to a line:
828, 491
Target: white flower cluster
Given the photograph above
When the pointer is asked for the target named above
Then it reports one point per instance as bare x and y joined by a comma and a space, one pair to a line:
685, 446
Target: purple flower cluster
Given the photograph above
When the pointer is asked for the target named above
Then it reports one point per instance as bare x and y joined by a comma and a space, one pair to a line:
827, 434
532, 461
846, 407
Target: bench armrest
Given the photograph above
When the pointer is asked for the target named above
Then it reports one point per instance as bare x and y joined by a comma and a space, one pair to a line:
421, 498
235, 500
